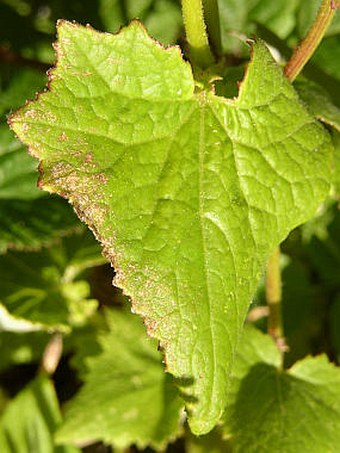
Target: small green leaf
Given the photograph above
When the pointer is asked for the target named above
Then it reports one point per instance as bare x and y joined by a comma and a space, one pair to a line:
127, 397
48, 291
285, 411
29, 421
187, 191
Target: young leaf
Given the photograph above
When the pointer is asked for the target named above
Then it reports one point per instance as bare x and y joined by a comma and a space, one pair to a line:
187, 191
29, 421
127, 398
275, 410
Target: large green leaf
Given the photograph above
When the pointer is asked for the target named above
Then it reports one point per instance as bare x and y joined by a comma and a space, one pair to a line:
29, 421
127, 397
283, 411
187, 191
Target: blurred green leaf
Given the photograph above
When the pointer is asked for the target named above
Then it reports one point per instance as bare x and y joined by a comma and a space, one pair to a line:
212, 443
30, 225
127, 397
164, 21
319, 103
327, 56
336, 174
16, 86
334, 327
19, 348
306, 13
18, 171
44, 287
270, 407
30, 420
240, 18
28, 218
303, 315
321, 237
113, 14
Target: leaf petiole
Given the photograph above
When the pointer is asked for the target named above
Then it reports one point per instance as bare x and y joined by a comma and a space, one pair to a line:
305, 50
212, 20
196, 33
273, 297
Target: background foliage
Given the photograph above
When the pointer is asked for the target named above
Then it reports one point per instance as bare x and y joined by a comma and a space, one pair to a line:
110, 384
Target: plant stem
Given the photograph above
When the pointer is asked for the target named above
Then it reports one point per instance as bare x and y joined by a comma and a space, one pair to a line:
273, 296
305, 50
212, 19
196, 33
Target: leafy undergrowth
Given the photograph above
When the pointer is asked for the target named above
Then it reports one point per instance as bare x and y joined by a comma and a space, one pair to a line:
188, 193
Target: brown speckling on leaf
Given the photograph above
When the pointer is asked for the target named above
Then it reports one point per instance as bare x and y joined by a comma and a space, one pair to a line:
88, 158
25, 127
30, 114
63, 137
102, 178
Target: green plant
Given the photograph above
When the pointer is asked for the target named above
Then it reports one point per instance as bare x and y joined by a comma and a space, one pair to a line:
189, 190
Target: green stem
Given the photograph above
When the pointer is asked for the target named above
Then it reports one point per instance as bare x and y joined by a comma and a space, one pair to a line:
315, 34
196, 33
212, 19
273, 296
